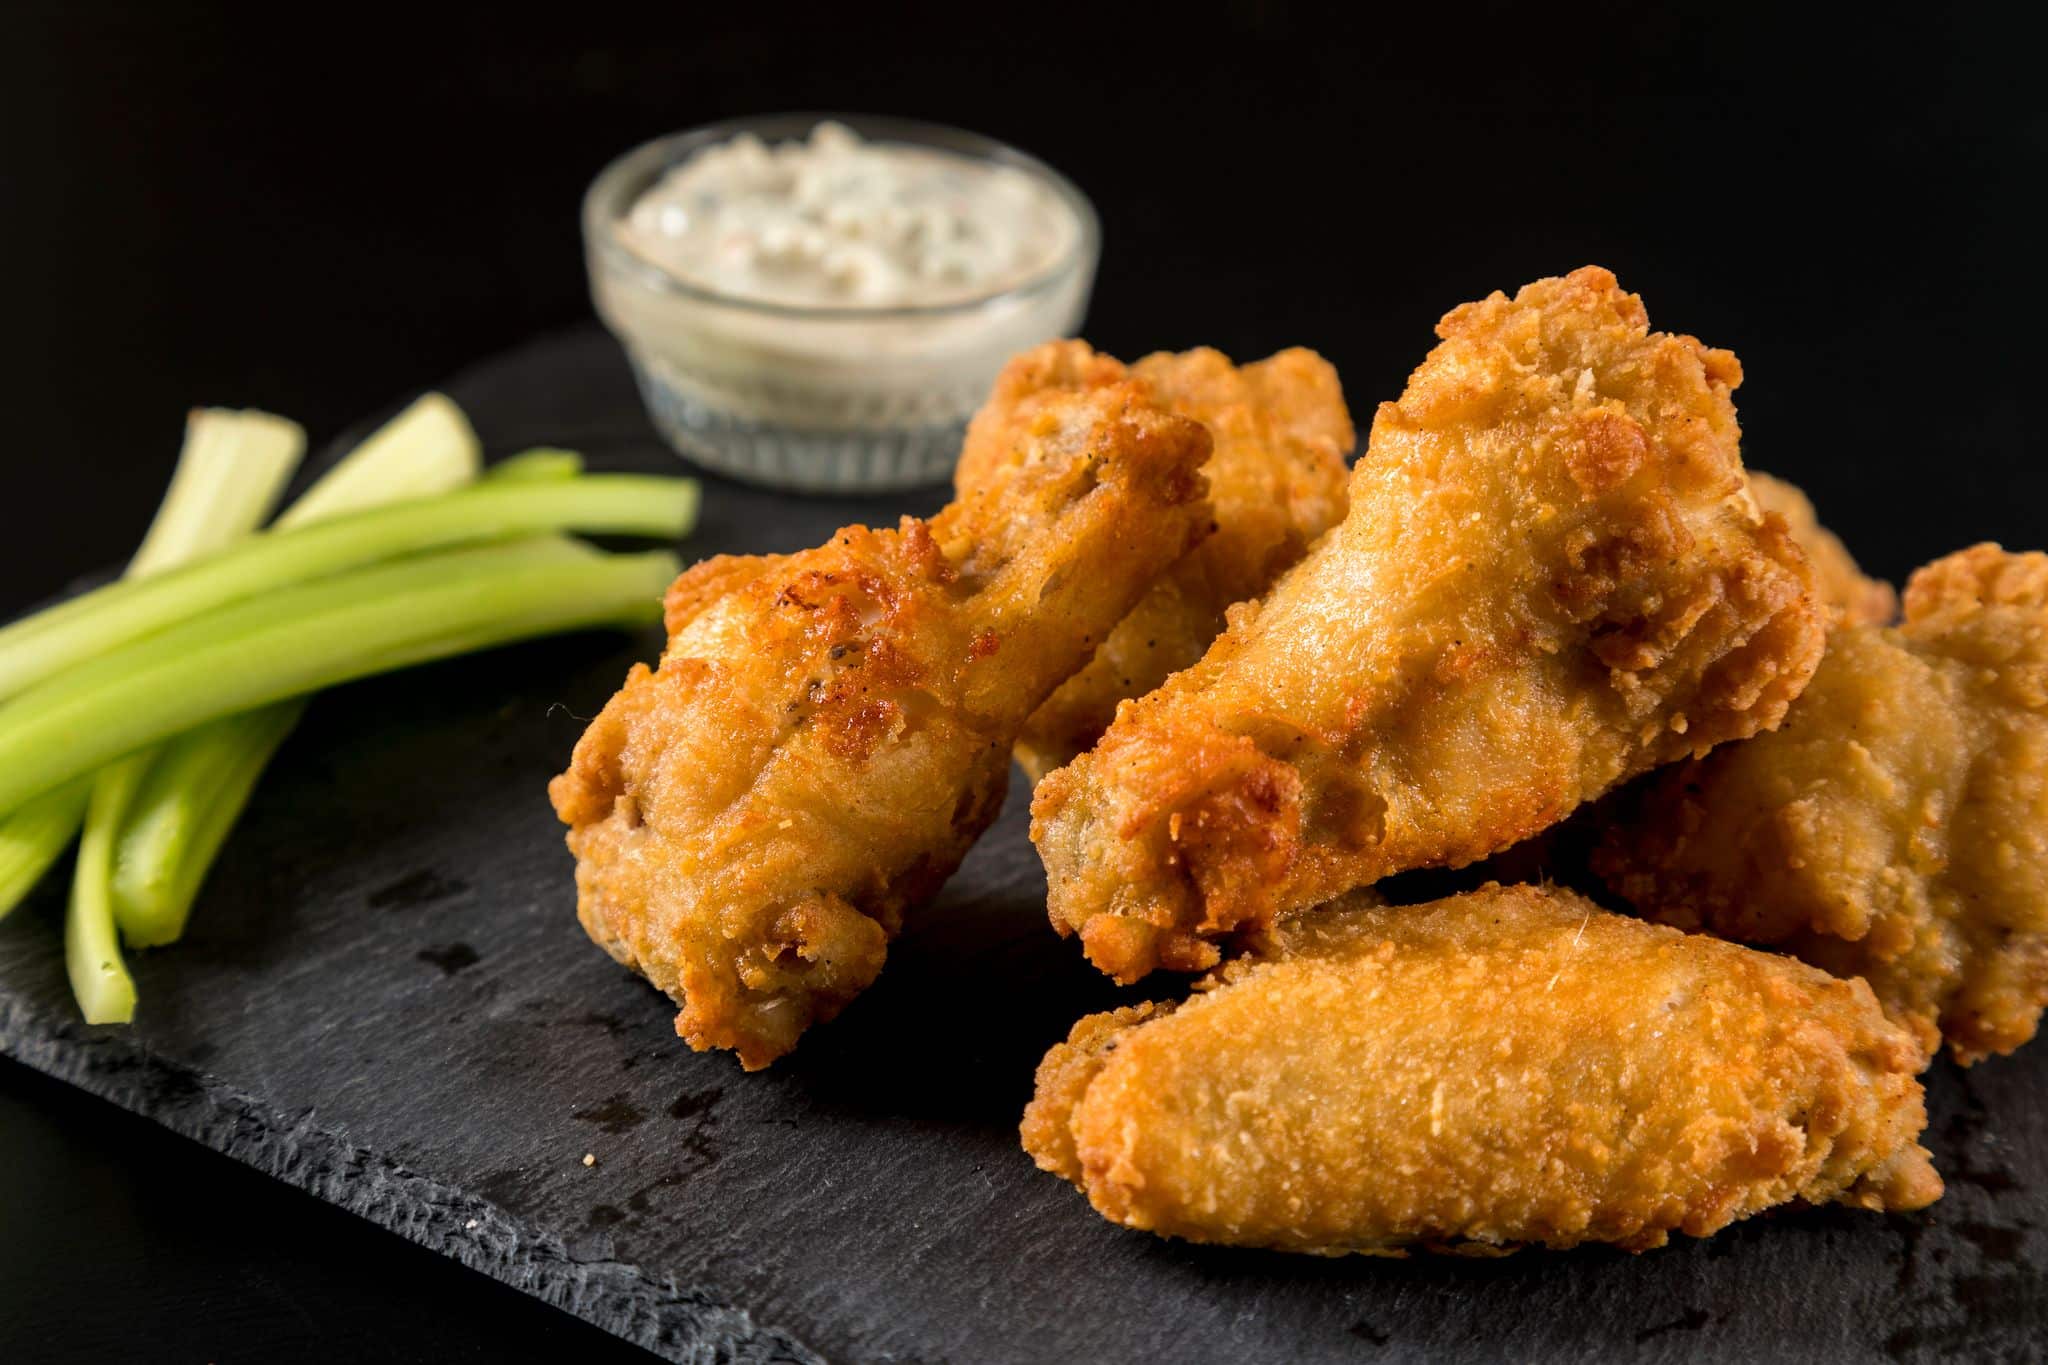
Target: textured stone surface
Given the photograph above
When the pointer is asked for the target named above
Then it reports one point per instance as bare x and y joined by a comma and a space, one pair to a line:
385, 999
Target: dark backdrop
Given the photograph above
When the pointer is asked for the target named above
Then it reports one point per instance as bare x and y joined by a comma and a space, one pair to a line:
320, 212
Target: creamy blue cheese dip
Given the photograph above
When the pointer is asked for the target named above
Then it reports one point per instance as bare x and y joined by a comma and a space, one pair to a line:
834, 221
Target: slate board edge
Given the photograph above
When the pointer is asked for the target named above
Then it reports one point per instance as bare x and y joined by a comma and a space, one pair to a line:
685, 1324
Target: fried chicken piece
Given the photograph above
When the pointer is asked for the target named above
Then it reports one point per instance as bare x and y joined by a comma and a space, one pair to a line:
1509, 1066
828, 731
1276, 478
1563, 853
1896, 828
1852, 596
1551, 578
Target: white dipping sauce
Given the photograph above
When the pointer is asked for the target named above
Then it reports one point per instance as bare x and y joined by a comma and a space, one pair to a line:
826, 312
836, 222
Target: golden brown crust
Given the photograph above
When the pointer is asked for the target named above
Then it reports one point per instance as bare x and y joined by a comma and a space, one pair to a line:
828, 731
1063, 1078
699, 587
1276, 479
1896, 827
1855, 598
1506, 1067
1551, 578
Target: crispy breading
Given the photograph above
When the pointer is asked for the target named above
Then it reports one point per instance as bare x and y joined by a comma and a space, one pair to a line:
828, 731
1551, 578
1896, 827
1509, 1066
1853, 596
1281, 435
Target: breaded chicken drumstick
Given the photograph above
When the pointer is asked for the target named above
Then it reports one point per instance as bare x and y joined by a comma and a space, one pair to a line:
1505, 1067
1851, 597
828, 731
1896, 828
1552, 577
1276, 480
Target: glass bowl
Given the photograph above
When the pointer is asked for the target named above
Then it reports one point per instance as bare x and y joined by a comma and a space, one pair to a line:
827, 399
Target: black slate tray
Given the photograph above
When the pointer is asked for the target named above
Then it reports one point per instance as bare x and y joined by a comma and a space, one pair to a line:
385, 999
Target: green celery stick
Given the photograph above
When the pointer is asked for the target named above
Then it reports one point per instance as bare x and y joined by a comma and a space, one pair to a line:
541, 463
311, 636
229, 474
99, 979
34, 837
194, 793
393, 579
91, 625
427, 449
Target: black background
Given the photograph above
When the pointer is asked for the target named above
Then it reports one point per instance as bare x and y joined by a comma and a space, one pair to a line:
323, 213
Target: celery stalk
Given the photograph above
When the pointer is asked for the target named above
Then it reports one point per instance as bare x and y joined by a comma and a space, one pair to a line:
99, 979
315, 635
198, 789
427, 449
123, 775
232, 467
256, 615
541, 463
34, 837
52, 641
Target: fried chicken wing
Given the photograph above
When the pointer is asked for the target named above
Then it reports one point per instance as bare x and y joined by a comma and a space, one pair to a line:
1281, 435
828, 731
1896, 827
1505, 1067
1852, 596
1551, 578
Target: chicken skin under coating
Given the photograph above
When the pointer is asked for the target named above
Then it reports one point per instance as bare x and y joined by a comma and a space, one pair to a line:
1509, 1066
1896, 827
828, 731
1854, 598
1276, 478
1551, 578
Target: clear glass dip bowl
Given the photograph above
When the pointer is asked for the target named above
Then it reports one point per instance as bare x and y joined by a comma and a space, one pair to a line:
827, 399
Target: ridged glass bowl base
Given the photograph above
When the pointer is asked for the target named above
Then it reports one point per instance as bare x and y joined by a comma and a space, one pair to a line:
853, 461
